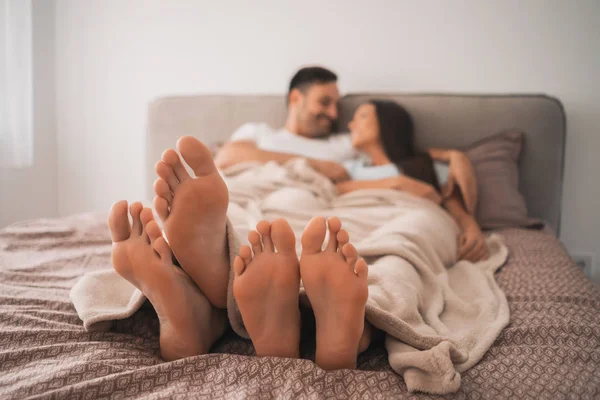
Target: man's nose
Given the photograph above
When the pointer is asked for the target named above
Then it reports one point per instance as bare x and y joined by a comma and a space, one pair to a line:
332, 112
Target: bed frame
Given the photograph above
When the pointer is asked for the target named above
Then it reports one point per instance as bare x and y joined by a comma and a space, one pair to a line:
441, 120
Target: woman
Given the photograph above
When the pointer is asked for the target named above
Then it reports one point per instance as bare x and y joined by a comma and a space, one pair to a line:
383, 132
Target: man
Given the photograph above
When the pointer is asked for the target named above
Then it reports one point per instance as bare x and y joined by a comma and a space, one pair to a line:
312, 112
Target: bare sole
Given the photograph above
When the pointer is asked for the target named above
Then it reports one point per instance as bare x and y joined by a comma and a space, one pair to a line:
194, 215
189, 324
335, 280
266, 287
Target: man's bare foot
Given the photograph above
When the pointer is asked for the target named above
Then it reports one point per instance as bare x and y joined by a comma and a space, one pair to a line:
194, 214
335, 280
189, 324
366, 338
266, 288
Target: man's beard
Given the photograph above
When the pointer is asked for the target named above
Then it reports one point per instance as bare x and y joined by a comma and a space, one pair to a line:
320, 130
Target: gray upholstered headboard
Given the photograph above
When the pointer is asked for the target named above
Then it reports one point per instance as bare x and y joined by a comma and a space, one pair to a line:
441, 120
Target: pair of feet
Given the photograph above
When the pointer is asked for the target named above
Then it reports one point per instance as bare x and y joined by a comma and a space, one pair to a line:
266, 288
193, 211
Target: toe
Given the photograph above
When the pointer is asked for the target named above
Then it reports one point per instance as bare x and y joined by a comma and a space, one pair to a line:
162, 207
165, 171
349, 251
283, 236
314, 235
264, 228
238, 266
135, 209
118, 222
161, 188
162, 248
361, 268
246, 254
146, 216
254, 239
335, 225
196, 155
171, 157
153, 231
342, 238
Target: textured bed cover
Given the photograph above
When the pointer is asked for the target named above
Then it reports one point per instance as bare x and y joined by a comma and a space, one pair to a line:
551, 348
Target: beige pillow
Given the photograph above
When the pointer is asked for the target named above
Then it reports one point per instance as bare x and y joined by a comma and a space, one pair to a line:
495, 160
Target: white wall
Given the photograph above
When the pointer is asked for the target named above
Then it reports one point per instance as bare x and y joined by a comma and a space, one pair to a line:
114, 56
32, 192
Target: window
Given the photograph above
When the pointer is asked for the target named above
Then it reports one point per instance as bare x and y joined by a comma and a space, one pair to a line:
16, 91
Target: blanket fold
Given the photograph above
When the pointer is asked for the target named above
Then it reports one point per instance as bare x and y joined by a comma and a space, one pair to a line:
440, 315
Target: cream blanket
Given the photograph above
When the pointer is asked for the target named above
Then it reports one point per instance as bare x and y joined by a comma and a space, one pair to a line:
440, 316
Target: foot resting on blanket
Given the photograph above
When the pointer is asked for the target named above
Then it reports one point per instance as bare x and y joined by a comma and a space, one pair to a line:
335, 280
266, 289
193, 211
142, 256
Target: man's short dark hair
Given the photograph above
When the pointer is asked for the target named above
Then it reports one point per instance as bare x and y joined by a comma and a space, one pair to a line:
309, 76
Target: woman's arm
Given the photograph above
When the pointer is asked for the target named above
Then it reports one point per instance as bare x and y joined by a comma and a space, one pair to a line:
351, 186
440, 154
471, 243
462, 174
401, 182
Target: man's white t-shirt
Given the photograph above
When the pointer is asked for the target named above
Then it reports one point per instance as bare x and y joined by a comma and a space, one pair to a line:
333, 148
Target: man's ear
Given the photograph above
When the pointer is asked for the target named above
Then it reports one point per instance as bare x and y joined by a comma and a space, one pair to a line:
296, 97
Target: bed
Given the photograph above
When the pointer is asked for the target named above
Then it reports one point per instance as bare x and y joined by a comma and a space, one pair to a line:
550, 349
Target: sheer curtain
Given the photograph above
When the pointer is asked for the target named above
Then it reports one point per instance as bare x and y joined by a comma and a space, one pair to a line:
16, 93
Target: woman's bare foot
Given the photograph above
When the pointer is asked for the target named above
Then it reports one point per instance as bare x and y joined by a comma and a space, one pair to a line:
189, 324
266, 288
194, 214
335, 280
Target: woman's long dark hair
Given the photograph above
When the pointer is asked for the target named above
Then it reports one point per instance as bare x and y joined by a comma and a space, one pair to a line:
396, 132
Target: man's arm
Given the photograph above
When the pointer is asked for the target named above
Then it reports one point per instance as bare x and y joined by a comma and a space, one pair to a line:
246, 151
403, 183
472, 245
